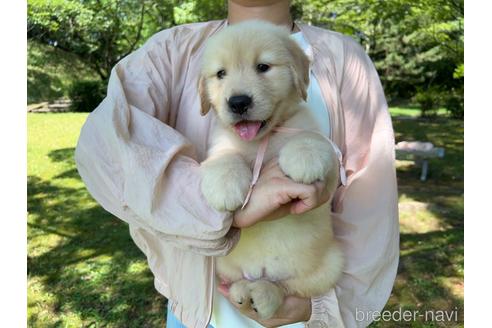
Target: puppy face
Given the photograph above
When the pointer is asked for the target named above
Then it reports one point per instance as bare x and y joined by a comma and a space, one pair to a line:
252, 74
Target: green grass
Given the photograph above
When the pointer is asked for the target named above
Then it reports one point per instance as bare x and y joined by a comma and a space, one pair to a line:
431, 270
84, 269
414, 111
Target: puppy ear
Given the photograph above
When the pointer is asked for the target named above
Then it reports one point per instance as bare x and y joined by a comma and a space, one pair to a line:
299, 69
202, 92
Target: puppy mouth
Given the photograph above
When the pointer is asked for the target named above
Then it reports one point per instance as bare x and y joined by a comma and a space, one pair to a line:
248, 130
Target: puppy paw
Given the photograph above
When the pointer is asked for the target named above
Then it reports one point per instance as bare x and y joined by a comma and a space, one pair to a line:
239, 293
225, 182
316, 324
266, 298
307, 159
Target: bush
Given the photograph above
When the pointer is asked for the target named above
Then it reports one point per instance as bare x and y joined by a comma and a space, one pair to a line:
454, 103
428, 99
87, 95
51, 72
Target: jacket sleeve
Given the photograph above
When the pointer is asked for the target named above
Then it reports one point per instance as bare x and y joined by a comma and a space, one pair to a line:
141, 169
366, 218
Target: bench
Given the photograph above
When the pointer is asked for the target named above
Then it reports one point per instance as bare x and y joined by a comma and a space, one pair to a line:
419, 152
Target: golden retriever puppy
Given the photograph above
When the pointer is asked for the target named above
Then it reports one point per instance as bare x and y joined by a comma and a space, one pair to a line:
255, 77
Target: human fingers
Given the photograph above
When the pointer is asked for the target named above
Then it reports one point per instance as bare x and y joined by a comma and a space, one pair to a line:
304, 198
267, 197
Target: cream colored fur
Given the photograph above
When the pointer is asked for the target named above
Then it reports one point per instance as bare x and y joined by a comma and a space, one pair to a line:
294, 255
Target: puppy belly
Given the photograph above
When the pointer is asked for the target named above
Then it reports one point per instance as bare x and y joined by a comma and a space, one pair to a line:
279, 250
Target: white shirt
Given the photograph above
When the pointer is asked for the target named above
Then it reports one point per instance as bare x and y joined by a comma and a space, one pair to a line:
224, 314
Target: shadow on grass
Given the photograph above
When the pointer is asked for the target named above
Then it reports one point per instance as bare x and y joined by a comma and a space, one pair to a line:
430, 274
92, 268
63, 155
443, 191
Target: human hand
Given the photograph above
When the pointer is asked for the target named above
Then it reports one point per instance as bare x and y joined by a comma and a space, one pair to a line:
275, 195
294, 309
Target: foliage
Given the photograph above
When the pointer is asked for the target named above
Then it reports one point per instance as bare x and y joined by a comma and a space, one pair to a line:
428, 100
431, 99
96, 33
50, 72
454, 102
459, 72
199, 11
99, 32
415, 45
87, 94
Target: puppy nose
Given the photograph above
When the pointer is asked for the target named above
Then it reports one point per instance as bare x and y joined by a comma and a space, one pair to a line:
239, 104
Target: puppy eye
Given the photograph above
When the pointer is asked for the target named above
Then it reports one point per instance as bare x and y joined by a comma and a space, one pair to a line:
262, 68
221, 74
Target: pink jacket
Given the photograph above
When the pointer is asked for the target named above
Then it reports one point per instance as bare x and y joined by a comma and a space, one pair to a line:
139, 153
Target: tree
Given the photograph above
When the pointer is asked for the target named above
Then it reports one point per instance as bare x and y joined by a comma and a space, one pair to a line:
63, 34
415, 45
99, 32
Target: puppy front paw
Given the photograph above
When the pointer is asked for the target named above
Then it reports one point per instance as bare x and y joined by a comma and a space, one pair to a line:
225, 182
307, 159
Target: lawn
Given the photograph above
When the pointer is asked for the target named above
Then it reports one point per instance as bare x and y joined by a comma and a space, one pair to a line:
431, 270
414, 111
84, 270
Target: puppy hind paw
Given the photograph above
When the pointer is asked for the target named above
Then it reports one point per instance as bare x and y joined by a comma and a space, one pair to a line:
266, 298
239, 293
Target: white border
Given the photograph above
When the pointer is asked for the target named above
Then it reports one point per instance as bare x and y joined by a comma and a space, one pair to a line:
478, 127
13, 196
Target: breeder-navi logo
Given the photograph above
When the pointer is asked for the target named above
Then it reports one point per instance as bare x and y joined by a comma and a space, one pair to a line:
407, 315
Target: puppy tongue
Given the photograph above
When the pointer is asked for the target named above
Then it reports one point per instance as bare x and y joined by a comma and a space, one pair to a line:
247, 130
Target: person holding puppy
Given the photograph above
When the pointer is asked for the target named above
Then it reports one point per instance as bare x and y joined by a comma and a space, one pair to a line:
139, 155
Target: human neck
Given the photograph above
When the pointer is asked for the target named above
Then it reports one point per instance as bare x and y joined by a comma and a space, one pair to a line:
276, 12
